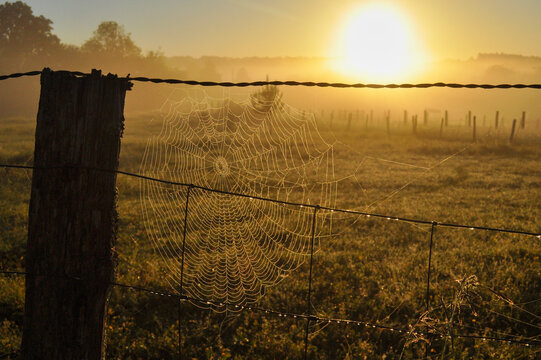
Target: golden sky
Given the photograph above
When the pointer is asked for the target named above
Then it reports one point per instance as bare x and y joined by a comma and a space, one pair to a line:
373, 40
448, 29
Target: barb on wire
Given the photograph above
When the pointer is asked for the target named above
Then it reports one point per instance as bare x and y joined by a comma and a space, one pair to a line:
290, 203
301, 83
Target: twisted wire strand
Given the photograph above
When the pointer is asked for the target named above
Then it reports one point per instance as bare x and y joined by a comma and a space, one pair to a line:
298, 83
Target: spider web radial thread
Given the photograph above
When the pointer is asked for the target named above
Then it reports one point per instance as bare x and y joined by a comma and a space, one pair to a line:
235, 247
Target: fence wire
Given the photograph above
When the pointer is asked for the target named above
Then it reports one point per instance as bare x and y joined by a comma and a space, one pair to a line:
280, 314
297, 83
282, 202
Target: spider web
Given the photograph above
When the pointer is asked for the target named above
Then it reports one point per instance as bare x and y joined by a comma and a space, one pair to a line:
235, 246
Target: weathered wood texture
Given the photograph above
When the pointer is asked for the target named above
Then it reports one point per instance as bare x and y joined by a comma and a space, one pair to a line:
72, 218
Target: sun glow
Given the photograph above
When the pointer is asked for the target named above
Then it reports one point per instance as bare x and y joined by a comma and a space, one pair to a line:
376, 44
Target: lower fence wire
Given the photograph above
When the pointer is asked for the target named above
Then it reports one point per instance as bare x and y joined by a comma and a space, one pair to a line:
317, 319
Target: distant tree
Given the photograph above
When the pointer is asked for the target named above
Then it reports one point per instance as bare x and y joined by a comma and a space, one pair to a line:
111, 39
23, 35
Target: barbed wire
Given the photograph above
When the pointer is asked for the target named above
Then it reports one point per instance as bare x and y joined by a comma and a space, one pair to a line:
315, 318
298, 83
283, 202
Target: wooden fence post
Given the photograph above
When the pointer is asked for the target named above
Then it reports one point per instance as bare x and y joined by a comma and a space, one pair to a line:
72, 219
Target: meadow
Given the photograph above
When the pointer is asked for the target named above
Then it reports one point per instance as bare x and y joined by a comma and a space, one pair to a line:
373, 270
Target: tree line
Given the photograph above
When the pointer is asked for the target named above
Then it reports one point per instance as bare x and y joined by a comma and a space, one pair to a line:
27, 42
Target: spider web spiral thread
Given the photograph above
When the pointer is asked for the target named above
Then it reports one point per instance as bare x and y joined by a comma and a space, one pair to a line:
236, 247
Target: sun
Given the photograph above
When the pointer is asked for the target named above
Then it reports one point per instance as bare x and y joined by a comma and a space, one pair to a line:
376, 44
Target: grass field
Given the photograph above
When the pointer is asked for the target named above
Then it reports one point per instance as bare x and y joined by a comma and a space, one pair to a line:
373, 270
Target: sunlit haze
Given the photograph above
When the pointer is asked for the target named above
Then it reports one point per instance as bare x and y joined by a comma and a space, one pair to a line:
377, 43
370, 41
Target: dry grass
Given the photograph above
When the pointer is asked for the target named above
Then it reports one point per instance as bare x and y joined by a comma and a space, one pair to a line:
371, 270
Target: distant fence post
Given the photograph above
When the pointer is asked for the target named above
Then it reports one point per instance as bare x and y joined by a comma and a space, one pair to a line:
72, 220
474, 128
513, 131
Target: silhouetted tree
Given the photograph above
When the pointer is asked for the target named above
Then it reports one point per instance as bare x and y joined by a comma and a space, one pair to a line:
24, 36
111, 39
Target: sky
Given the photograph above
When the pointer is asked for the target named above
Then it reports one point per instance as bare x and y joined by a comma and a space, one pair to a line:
445, 29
